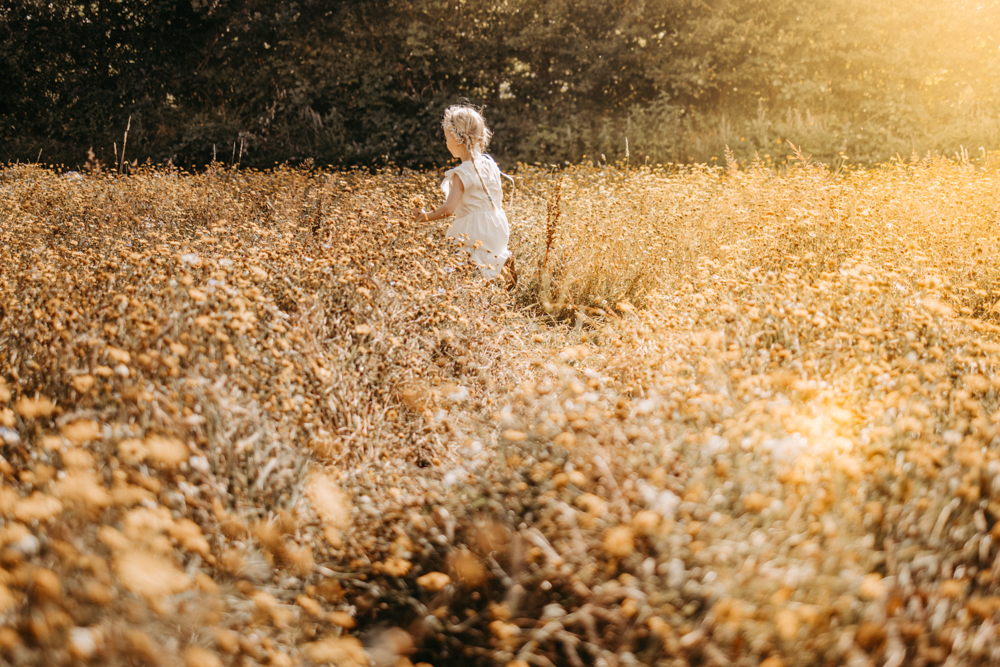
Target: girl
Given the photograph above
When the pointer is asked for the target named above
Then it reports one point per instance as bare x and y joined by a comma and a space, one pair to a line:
473, 193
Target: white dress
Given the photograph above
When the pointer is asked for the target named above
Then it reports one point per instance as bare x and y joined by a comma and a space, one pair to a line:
482, 229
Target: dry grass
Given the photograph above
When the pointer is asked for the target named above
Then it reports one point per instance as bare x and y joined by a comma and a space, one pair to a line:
208, 344
258, 416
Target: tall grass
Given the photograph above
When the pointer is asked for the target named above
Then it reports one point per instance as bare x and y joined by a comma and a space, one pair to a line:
625, 234
256, 417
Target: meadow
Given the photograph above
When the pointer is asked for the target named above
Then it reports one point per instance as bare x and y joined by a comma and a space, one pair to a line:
730, 416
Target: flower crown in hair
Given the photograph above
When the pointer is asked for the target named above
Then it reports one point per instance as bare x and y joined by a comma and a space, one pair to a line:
460, 136
474, 144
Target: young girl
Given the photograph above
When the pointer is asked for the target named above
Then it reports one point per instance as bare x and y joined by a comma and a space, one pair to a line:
473, 193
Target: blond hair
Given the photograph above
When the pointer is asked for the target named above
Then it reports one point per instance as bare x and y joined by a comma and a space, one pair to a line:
468, 126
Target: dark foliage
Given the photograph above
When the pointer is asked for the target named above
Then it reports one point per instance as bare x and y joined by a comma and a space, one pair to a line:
364, 82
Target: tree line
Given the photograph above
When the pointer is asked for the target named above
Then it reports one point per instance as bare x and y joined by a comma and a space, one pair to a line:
363, 82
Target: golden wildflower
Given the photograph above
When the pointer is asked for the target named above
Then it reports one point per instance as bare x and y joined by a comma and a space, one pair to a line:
81, 431
871, 587
132, 451
81, 488
37, 507
329, 504
619, 542
468, 568
149, 575
83, 383
34, 408
165, 451
345, 651
341, 619
433, 581
195, 656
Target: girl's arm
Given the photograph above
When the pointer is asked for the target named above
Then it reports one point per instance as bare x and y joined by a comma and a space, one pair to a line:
455, 193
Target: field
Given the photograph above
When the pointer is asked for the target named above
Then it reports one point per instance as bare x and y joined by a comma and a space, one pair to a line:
729, 417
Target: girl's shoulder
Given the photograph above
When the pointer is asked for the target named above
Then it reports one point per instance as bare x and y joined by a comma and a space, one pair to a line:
465, 172
468, 172
491, 167
463, 169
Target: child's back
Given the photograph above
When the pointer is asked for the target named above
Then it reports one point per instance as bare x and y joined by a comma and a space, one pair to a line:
474, 195
480, 222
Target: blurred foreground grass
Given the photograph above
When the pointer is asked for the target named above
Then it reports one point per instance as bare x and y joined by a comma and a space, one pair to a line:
730, 417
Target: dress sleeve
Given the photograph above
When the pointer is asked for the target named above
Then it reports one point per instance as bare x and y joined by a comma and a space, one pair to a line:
464, 173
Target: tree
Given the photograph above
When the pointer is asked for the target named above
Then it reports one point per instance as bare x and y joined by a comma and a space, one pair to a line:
365, 81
